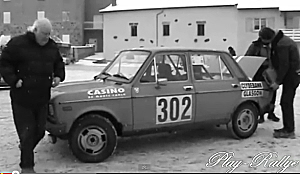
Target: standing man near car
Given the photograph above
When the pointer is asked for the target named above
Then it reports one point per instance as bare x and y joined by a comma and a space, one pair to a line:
285, 59
31, 64
258, 48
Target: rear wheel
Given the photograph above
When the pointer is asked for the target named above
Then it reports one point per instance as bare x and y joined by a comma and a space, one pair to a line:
244, 121
93, 139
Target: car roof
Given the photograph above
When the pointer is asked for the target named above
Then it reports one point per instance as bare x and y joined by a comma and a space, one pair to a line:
173, 49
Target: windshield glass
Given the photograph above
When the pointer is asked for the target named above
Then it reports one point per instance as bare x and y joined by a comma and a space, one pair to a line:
127, 64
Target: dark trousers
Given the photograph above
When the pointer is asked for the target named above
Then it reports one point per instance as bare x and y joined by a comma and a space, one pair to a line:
31, 125
287, 106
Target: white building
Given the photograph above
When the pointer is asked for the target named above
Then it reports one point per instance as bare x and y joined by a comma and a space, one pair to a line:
213, 26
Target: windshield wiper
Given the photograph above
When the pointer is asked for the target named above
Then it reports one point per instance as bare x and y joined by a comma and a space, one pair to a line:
120, 75
102, 75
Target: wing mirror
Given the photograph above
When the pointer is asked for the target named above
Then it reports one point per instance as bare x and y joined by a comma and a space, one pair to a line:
161, 82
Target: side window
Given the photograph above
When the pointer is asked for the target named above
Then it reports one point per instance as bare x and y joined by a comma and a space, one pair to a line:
149, 74
209, 67
168, 66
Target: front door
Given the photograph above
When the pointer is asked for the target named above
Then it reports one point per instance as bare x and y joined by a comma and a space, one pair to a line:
217, 90
169, 103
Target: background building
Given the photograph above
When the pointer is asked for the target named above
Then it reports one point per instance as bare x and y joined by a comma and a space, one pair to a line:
73, 20
200, 25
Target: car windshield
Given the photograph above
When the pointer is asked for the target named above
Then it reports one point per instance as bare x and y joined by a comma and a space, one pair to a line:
127, 64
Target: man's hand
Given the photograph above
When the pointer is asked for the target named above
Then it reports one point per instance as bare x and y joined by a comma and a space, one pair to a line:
274, 86
56, 81
19, 83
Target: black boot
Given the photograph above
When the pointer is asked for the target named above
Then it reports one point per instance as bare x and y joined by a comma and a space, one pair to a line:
280, 130
272, 116
261, 119
284, 134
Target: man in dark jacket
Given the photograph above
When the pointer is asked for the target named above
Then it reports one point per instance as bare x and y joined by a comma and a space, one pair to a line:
285, 59
31, 64
258, 48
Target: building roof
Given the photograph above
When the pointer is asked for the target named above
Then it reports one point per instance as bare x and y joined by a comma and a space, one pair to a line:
132, 5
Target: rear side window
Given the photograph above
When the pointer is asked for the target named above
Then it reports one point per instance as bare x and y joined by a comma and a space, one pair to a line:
209, 66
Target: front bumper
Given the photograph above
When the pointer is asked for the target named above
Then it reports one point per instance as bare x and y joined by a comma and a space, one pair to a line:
56, 129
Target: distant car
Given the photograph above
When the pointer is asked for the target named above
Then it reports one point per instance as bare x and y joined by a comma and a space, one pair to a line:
152, 90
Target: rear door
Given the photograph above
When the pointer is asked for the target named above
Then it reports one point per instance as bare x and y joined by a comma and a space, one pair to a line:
169, 104
217, 89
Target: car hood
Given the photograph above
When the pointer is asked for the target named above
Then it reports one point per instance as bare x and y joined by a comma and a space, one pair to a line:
90, 89
250, 64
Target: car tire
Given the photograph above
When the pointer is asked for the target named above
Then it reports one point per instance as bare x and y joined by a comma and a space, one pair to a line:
244, 121
93, 139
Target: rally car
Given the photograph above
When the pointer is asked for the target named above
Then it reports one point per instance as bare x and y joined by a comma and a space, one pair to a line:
147, 90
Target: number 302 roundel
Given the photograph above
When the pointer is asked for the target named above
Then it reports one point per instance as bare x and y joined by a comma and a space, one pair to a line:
173, 109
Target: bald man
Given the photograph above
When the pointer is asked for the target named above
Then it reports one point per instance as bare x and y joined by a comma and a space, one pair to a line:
31, 64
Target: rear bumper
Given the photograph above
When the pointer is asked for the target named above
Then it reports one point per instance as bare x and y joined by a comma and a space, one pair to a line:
56, 129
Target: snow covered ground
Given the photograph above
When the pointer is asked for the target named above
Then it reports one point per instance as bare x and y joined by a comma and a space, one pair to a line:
202, 150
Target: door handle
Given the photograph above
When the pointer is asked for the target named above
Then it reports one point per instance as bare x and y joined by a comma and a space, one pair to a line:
235, 85
188, 88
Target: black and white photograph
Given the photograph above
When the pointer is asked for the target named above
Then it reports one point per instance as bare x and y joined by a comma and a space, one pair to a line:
155, 86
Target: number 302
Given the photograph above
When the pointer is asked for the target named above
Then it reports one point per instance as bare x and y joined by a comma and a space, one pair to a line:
173, 109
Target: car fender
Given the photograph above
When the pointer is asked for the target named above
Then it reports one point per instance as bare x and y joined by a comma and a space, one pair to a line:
253, 101
91, 109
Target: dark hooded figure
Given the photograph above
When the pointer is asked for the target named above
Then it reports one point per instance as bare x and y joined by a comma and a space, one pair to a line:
258, 48
231, 51
286, 61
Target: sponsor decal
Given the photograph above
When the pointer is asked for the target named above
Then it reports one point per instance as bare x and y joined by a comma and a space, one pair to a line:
106, 92
252, 89
252, 93
137, 90
251, 85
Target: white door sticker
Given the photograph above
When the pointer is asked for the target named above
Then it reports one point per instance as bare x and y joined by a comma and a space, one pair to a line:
173, 109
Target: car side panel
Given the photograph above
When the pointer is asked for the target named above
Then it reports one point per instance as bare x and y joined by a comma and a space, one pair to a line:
120, 109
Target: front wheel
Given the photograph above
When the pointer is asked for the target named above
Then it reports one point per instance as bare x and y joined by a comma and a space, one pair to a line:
244, 121
93, 139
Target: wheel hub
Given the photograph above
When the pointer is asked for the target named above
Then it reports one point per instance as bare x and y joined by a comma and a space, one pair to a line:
92, 140
245, 120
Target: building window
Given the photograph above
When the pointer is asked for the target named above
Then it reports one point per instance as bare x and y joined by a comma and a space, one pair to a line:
65, 16
201, 28
166, 29
6, 17
133, 27
40, 14
66, 38
259, 23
